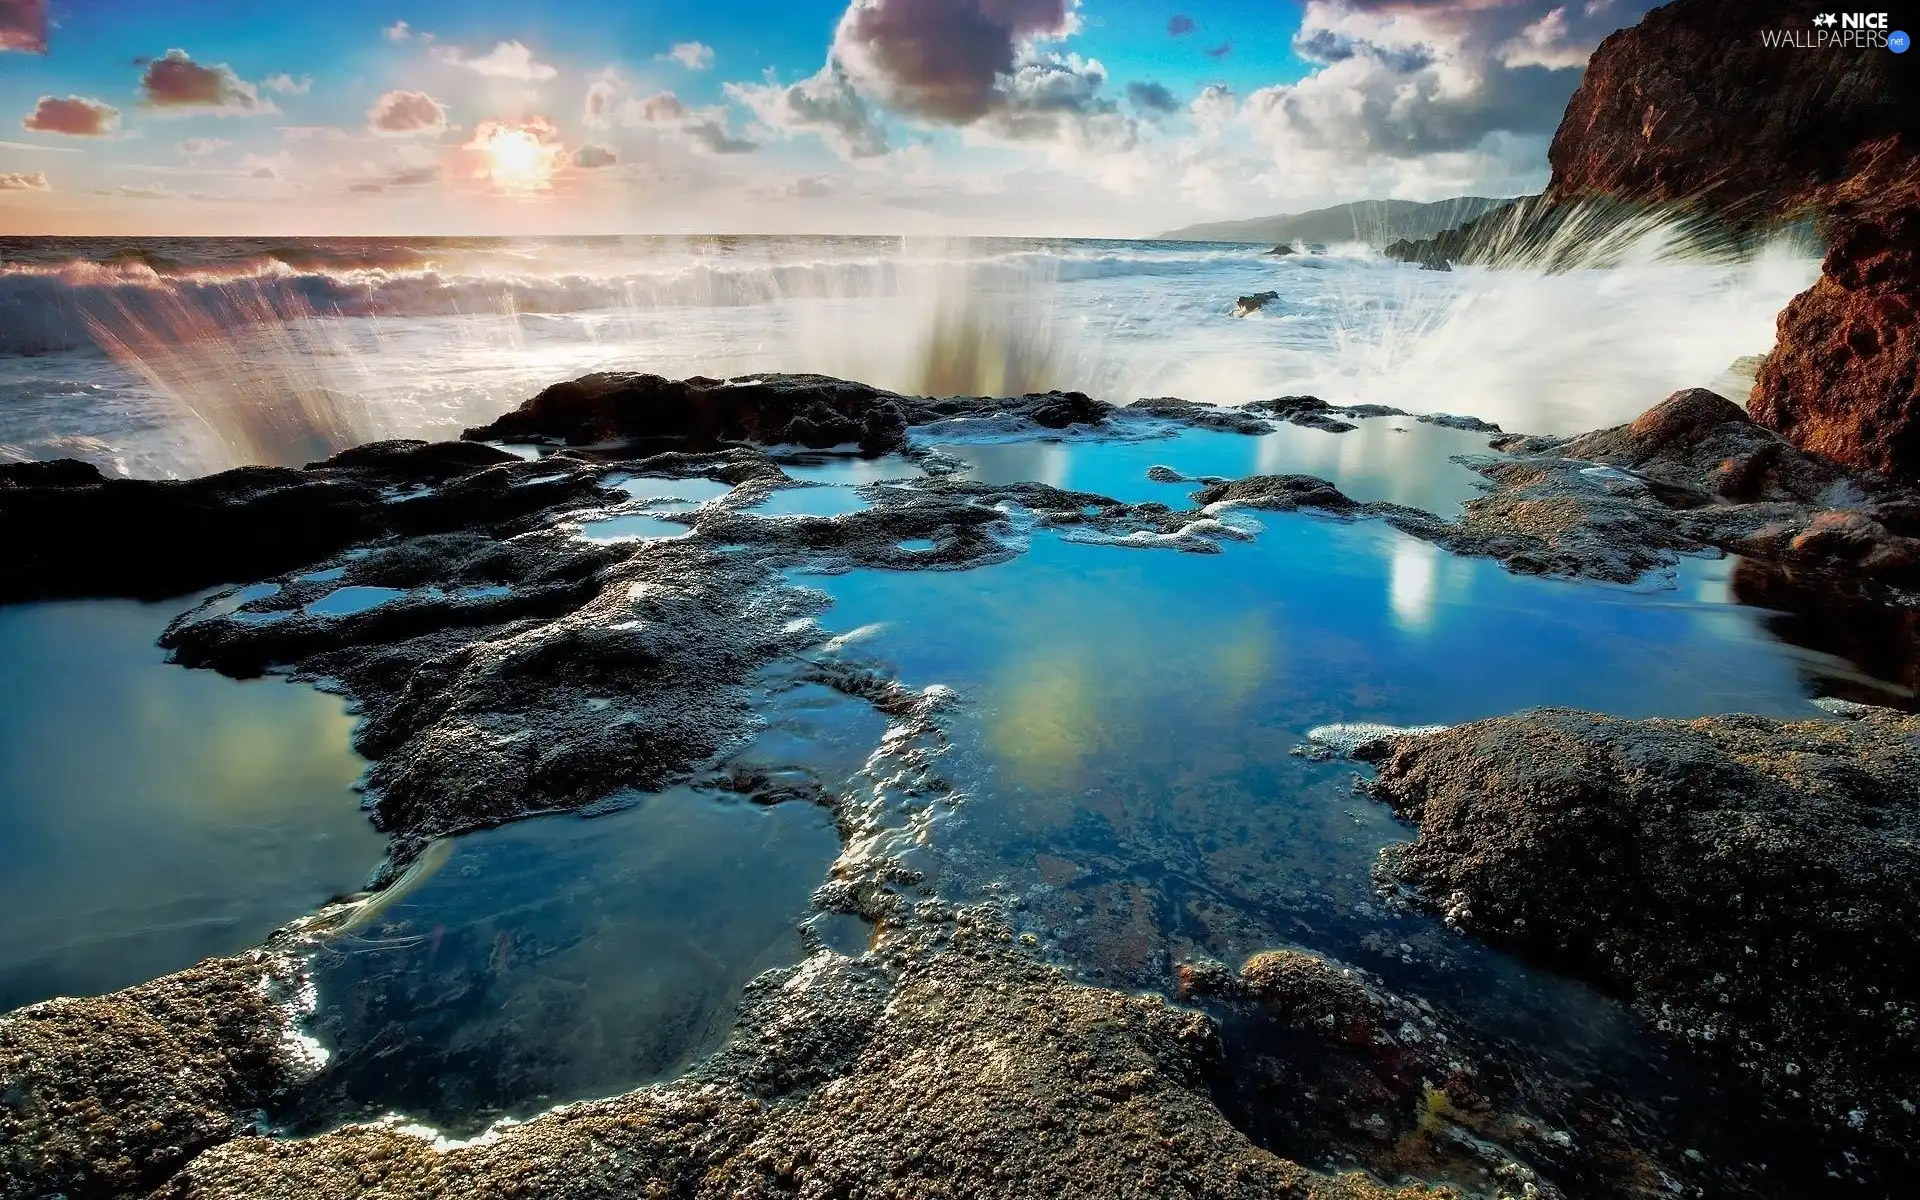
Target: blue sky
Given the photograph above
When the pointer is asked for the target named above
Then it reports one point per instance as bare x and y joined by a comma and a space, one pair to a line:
941, 116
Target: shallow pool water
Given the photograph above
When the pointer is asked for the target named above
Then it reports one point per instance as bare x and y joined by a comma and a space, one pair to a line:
348, 601
151, 816
568, 957
818, 501
662, 492
629, 527
1385, 458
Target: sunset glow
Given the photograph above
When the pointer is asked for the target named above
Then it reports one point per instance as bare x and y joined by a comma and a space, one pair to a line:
519, 158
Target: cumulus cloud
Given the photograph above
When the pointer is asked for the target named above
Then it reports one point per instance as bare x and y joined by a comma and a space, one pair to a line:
825, 104
30, 181
944, 60
1151, 97
175, 82
705, 128
1180, 25
399, 31
694, 56
23, 28
1405, 78
201, 147
406, 114
592, 158
507, 60
75, 116
287, 85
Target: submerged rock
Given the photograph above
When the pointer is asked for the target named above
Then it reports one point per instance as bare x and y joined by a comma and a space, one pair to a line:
108, 1097
1246, 306
1744, 881
980, 1074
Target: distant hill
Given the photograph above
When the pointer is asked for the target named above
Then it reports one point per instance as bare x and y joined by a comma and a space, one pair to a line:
1375, 222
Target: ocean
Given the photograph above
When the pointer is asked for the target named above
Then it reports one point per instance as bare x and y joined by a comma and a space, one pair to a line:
175, 356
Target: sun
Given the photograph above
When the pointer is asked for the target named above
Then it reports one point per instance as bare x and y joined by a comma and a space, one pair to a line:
519, 157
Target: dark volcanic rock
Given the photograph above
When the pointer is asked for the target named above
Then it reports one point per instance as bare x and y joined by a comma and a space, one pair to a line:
983, 1075
1248, 305
801, 410
1745, 881
71, 532
1201, 416
1280, 251
108, 1097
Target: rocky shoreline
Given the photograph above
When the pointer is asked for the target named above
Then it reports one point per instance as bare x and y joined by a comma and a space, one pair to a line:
948, 1054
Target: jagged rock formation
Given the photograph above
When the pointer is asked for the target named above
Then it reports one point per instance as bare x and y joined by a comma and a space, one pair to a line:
1691, 108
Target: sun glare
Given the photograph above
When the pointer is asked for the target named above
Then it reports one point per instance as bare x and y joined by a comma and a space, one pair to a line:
519, 157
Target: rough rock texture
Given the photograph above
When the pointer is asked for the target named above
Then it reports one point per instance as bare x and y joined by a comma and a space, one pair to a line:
1844, 380
1248, 305
109, 1096
1690, 473
982, 1075
1745, 881
1690, 107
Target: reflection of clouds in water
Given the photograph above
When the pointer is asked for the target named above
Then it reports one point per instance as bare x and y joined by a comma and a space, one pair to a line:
1071, 693
1412, 589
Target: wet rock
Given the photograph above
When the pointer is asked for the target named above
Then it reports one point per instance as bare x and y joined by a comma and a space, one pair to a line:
72, 532
1280, 251
984, 1074
1201, 416
1246, 306
1281, 493
1742, 880
109, 1096
1692, 473
623, 407
1452, 421
1327, 1064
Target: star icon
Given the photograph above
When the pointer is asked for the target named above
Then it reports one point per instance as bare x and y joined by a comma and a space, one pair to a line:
1826, 19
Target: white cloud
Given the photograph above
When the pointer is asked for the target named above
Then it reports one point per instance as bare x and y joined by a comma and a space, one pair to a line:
287, 85
507, 60
694, 56
399, 31
825, 104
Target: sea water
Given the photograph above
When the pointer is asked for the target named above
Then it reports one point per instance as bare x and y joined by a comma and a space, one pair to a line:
174, 356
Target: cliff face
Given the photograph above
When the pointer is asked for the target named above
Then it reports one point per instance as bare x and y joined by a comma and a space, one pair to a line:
1692, 107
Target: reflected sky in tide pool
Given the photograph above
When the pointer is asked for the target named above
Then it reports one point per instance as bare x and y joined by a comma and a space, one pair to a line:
1384, 458
151, 816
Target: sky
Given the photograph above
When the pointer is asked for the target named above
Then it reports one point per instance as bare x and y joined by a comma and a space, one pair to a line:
1049, 117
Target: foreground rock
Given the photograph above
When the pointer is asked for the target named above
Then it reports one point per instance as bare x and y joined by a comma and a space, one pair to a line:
1746, 882
976, 1074
110, 1096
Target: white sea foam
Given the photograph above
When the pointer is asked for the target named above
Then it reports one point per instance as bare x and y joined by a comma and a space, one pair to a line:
173, 369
